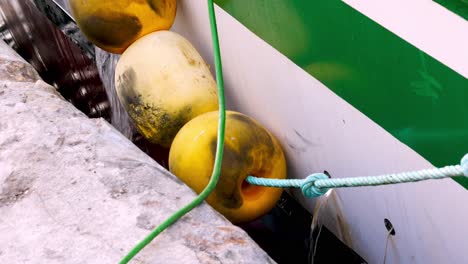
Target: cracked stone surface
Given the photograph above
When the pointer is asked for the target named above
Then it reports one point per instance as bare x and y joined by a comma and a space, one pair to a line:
74, 190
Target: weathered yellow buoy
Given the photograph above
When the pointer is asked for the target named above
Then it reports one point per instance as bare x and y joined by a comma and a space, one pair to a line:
115, 24
249, 150
163, 83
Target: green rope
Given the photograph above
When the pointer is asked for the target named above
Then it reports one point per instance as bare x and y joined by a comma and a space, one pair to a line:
318, 184
219, 148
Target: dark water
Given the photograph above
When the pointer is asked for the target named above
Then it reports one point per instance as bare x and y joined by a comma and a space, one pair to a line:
56, 58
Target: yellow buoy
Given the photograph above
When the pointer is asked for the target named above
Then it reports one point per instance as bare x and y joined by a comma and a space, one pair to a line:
115, 24
249, 150
163, 82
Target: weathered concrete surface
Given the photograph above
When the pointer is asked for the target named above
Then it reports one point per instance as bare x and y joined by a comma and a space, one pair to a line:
74, 190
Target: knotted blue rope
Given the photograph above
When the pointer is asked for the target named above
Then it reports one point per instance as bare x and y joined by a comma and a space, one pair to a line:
318, 184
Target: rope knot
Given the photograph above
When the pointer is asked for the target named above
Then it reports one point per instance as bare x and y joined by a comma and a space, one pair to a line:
464, 165
308, 187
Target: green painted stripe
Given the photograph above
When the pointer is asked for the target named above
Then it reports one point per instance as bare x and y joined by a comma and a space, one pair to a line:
416, 98
459, 7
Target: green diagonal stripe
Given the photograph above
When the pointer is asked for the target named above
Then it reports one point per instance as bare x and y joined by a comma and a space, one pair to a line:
416, 98
459, 7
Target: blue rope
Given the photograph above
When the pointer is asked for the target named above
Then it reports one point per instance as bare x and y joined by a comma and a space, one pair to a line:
318, 184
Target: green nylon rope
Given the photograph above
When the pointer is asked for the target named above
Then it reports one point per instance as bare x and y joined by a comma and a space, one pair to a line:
219, 148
